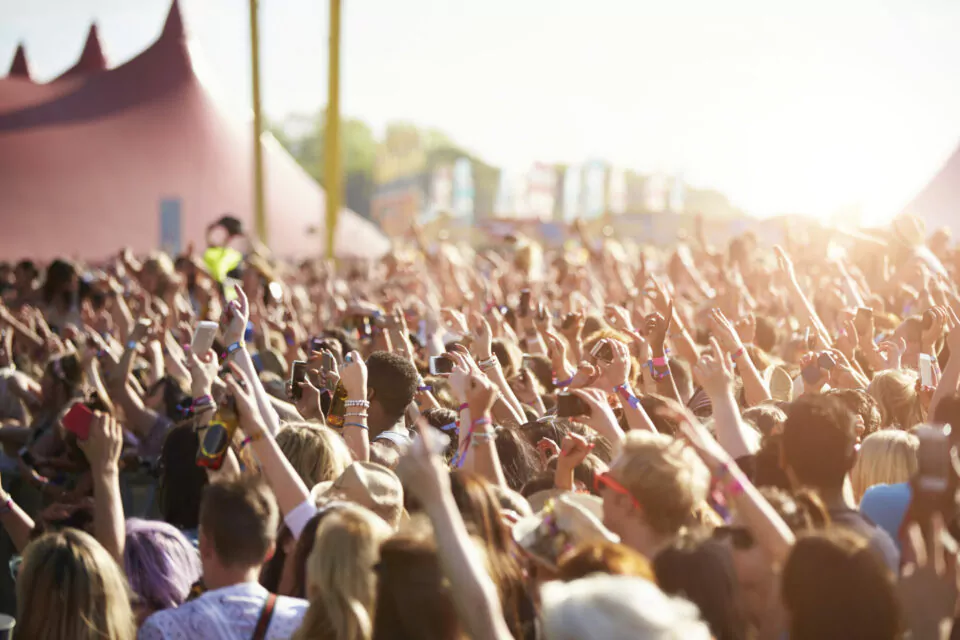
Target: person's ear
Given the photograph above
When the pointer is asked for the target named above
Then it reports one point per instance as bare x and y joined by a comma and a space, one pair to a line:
370, 394
272, 549
205, 545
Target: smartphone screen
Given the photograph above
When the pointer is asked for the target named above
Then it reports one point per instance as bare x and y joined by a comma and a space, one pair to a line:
863, 319
925, 364
440, 365
77, 421
523, 309
603, 351
298, 374
570, 406
203, 337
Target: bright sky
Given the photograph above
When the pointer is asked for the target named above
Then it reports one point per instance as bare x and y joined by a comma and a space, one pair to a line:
784, 106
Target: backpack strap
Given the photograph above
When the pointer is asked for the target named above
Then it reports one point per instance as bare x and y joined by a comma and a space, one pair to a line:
266, 614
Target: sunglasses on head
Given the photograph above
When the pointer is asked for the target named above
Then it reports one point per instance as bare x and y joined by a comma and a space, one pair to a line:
740, 537
605, 480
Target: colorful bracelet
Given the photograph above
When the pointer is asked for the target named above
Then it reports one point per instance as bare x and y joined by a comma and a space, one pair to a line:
626, 393
560, 384
249, 439
463, 407
356, 424
659, 362
739, 352
453, 426
481, 422
236, 346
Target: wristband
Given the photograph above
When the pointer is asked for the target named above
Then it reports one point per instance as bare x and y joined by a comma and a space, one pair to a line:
6, 506
463, 407
489, 363
482, 438
354, 415
481, 422
627, 394
356, 424
736, 354
453, 426
131, 345
236, 346
661, 361
253, 438
562, 383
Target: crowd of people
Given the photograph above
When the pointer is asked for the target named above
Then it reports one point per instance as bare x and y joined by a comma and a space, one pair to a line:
604, 440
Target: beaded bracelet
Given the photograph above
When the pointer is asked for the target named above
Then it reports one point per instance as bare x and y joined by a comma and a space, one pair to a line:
357, 403
489, 363
354, 415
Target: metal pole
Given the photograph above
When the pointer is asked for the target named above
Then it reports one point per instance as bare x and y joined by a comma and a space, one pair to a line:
333, 170
259, 207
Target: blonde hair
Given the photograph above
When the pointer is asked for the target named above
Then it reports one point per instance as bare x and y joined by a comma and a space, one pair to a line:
70, 587
666, 477
341, 582
886, 457
316, 452
604, 606
895, 391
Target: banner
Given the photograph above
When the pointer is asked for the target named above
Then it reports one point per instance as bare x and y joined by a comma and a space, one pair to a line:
617, 192
540, 191
170, 230
396, 205
463, 192
594, 189
572, 192
677, 194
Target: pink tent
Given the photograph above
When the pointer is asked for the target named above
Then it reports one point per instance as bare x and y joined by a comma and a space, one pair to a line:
86, 160
939, 202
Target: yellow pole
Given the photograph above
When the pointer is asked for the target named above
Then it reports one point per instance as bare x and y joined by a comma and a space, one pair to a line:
332, 168
259, 208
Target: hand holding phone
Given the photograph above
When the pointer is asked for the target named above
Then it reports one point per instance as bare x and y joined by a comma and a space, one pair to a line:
203, 337
78, 420
925, 365
571, 406
441, 366
298, 374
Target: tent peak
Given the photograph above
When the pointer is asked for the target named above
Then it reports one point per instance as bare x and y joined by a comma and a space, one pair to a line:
20, 68
173, 27
91, 58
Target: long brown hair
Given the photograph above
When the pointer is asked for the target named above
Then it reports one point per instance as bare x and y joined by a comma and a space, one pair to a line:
70, 587
413, 597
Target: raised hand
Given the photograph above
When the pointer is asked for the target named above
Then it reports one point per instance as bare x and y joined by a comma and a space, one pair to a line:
658, 325
617, 372
203, 372
353, 376
618, 318
713, 371
482, 337
248, 411
235, 318
104, 444
747, 328
724, 332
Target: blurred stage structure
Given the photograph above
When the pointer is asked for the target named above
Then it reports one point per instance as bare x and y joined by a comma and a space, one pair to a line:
938, 204
142, 156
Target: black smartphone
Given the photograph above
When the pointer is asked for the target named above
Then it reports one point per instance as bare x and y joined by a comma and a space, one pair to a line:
863, 319
328, 363
523, 309
826, 361
298, 374
571, 406
316, 345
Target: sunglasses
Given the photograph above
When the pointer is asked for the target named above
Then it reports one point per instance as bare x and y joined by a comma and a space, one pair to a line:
740, 537
604, 479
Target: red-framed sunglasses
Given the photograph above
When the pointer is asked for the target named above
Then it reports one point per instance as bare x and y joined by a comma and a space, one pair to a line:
606, 480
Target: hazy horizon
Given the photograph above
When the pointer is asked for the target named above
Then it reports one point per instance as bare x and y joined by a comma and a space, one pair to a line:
806, 108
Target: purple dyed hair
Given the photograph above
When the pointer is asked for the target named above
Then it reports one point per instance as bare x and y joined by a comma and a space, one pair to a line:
161, 563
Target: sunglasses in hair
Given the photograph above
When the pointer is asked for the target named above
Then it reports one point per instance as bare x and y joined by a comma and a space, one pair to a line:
604, 479
740, 537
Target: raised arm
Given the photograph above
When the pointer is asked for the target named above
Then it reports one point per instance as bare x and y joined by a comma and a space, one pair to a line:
102, 448
715, 376
754, 388
474, 592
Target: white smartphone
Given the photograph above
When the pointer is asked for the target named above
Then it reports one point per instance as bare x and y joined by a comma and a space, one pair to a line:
203, 337
926, 370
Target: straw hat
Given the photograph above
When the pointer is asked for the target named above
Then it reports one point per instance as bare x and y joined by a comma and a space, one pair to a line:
564, 522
